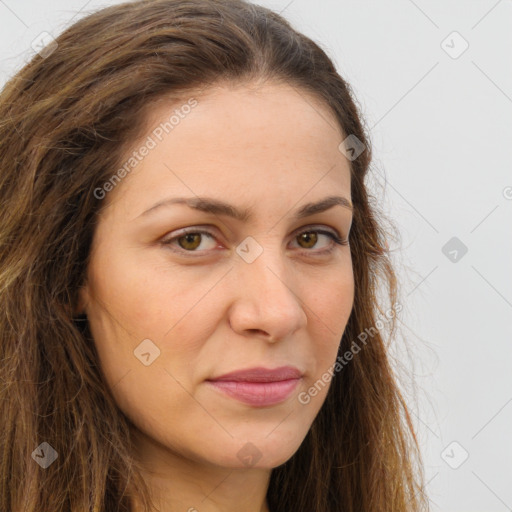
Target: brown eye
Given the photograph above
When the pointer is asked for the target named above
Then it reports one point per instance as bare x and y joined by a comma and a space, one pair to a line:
191, 241
187, 243
309, 238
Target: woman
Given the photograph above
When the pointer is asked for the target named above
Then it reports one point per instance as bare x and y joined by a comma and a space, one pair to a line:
189, 271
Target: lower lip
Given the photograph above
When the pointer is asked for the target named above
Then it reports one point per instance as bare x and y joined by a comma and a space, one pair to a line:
257, 393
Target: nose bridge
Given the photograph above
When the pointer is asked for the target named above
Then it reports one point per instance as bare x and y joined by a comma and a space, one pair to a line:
265, 279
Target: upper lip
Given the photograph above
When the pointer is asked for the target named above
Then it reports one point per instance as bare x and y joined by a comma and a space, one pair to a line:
260, 374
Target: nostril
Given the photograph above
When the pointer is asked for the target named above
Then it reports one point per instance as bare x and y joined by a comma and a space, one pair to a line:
257, 331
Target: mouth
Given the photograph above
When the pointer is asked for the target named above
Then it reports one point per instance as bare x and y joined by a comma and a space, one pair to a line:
259, 386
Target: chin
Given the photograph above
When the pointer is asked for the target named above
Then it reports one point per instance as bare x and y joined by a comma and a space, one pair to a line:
259, 451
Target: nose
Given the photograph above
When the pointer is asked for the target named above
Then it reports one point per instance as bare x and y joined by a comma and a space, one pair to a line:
267, 300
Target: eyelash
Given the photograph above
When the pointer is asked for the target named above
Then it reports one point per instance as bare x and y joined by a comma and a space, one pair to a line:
334, 237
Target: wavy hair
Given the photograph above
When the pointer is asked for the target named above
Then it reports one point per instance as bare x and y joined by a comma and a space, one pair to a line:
65, 120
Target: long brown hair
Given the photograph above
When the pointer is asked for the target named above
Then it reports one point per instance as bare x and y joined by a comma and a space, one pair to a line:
65, 120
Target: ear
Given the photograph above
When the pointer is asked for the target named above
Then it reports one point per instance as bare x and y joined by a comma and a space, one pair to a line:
83, 301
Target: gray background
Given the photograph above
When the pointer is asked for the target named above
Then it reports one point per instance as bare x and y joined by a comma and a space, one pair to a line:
441, 127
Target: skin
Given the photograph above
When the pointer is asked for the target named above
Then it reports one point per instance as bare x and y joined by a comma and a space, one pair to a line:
268, 147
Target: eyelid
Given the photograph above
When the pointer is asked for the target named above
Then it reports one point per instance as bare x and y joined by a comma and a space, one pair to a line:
207, 228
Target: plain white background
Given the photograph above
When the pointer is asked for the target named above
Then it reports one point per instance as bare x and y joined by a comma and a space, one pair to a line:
440, 119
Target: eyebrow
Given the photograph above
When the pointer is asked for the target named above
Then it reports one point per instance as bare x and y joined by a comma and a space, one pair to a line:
217, 207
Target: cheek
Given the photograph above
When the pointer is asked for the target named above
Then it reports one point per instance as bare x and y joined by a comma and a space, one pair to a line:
330, 301
144, 297
330, 308
148, 329
140, 308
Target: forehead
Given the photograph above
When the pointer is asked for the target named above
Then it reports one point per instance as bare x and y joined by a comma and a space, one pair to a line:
268, 140
242, 116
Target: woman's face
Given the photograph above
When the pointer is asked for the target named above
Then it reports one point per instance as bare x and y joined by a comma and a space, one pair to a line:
172, 313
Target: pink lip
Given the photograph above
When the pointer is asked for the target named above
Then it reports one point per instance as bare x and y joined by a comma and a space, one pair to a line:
259, 386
